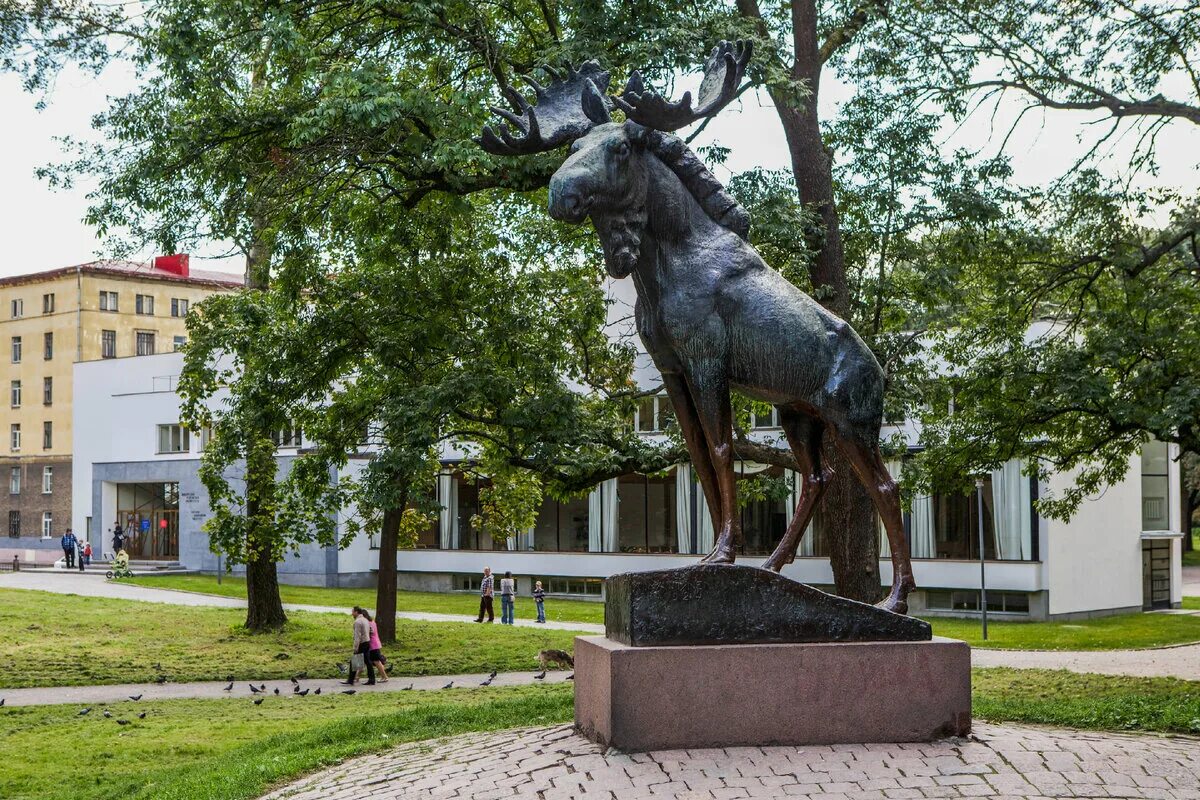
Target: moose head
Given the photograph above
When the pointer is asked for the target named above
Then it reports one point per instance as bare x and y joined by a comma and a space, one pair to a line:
607, 176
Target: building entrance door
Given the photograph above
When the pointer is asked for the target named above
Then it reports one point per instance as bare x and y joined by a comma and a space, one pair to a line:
1156, 573
149, 514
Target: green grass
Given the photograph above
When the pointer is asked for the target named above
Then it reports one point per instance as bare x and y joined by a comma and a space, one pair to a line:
231, 749
1192, 558
1097, 702
432, 602
1192, 603
1124, 631
1107, 633
52, 639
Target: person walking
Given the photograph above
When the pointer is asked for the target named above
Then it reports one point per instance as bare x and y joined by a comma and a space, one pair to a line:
539, 599
375, 654
79, 554
118, 540
508, 589
69, 542
485, 596
362, 646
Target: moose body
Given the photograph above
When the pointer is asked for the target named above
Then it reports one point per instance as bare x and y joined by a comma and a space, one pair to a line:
713, 316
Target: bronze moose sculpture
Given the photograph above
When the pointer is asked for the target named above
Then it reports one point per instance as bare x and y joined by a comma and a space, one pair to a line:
710, 312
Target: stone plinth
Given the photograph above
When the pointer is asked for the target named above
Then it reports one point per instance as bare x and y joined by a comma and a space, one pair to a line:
659, 698
735, 604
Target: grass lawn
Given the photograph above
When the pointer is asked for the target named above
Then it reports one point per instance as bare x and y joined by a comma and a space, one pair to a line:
1192, 558
432, 602
1098, 702
232, 749
53, 639
1108, 633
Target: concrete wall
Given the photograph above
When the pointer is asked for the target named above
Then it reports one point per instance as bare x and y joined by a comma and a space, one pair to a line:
1094, 562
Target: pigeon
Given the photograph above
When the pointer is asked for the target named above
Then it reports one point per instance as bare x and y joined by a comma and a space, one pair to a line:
229, 688
229, 678
122, 722
276, 690
540, 675
349, 691
253, 689
296, 689
262, 688
258, 701
83, 712
488, 682
161, 679
135, 697
318, 691
2, 699
341, 668
107, 713
406, 688
142, 715
294, 681
304, 693
570, 677
492, 675
448, 685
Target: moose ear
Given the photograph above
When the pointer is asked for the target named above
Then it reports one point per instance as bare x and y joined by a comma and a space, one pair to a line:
638, 135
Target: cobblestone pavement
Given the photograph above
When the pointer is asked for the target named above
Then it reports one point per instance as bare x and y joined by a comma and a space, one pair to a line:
1004, 761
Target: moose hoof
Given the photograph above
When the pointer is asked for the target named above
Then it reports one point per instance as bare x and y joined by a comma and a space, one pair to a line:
893, 604
719, 555
773, 564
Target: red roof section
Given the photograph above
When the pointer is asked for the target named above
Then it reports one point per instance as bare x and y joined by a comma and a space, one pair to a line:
132, 269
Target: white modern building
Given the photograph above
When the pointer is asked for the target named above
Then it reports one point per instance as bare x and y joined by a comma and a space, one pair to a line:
135, 464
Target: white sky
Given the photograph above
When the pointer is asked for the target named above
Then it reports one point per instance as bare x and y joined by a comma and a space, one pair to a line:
43, 229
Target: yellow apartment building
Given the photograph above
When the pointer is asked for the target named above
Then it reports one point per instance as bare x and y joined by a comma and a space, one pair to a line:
48, 321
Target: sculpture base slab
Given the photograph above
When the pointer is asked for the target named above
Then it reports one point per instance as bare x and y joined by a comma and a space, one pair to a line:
670, 698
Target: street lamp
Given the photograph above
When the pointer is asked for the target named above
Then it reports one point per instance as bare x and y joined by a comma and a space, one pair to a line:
982, 562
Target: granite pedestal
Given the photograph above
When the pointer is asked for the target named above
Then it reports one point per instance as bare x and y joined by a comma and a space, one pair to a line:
671, 697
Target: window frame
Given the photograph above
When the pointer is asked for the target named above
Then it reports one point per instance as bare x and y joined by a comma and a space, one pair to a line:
17, 308
178, 435
138, 339
48, 346
179, 306
14, 480
14, 394
47, 480
110, 301
48, 390
48, 303
47, 435
108, 338
17, 349
14, 437
47, 524
143, 304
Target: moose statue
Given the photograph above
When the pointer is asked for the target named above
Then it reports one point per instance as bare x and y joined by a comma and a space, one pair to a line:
712, 315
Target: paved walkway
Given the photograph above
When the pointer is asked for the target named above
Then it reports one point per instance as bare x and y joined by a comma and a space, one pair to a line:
99, 695
1166, 662
1191, 581
95, 585
553, 763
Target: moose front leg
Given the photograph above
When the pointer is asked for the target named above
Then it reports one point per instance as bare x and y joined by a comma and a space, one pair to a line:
709, 389
694, 438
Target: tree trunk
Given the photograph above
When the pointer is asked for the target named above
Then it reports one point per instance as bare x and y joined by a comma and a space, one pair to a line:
846, 510
385, 590
264, 609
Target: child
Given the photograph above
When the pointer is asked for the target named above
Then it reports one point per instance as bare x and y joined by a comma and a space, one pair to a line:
87, 554
539, 597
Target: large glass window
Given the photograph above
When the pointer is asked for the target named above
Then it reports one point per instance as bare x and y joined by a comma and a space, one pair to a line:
149, 515
1156, 487
562, 525
471, 536
956, 524
764, 523
654, 414
646, 514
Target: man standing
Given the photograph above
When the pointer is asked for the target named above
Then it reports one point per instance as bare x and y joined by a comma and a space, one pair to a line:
68, 545
362, 646
485, 596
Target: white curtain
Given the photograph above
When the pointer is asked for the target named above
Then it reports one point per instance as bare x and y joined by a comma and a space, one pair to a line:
706, 539
1012, 512
923, 544
894, 466
448, 517
602, 517
683, 507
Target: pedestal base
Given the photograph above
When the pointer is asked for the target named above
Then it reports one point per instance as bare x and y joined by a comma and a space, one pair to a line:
667, 698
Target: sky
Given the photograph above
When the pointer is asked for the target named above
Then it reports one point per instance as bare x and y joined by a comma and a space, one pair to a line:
43, 228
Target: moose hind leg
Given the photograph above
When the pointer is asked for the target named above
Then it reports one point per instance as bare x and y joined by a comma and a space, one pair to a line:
868, 464
693, 437
803, 432
716, 418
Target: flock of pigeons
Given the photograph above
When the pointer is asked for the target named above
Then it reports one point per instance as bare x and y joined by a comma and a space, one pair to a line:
261, 689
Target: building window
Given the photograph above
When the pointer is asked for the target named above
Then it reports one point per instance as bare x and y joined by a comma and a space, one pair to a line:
47, 480
108, 344
47, 346
173, 439
47, 435
144, 304
47, 524
654, 414
14, 437
562, 525
968, 600
48, 303
179, 342
761, 421
145, 343
179, 307
16, 349
590, 587
14, 523
288, 437
47, 391
646, 514
108, 301
16, 394
1156, 487
18, 309
205, 437
14, 481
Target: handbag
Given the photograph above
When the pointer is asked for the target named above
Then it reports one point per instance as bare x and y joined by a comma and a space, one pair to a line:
357, 662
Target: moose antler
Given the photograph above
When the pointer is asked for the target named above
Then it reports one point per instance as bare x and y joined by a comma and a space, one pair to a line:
722, 73
571, 105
